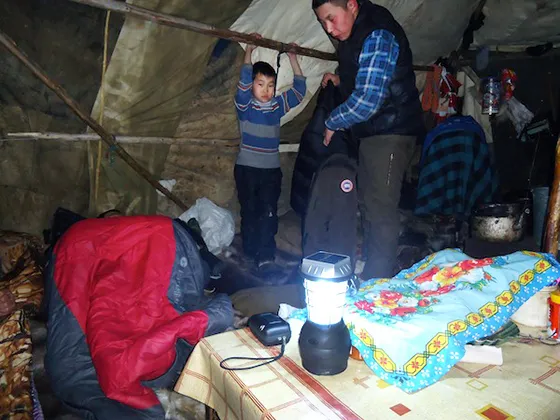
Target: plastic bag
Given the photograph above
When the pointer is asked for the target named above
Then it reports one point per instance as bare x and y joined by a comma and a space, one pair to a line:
518, 113
216, 223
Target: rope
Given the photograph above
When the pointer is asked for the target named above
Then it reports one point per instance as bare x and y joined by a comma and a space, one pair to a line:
101, 108
277, 69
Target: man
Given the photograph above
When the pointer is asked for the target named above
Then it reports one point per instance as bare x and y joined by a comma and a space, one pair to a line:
381, 109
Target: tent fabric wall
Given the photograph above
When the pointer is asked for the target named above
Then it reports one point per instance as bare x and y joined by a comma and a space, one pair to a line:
519, 22
157, 84
38, 176
434, 28
154, 74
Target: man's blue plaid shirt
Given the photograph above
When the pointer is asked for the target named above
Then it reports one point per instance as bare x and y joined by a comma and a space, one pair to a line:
377, 63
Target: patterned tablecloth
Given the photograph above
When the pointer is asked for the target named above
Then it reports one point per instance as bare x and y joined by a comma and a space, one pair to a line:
527, 386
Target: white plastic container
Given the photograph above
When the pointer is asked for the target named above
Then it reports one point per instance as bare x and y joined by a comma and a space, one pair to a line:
534, 312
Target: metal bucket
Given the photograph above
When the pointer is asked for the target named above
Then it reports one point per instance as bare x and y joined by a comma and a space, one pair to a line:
504, 222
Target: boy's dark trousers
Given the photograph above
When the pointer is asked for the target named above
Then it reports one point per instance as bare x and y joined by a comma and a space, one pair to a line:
258, 191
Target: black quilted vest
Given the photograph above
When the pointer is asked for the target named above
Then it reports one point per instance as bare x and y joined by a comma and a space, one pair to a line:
401, 113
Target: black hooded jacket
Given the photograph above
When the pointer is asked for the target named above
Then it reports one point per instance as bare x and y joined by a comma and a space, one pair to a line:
312, 151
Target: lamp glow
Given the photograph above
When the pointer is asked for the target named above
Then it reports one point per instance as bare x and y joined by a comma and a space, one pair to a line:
324, 342
325, 301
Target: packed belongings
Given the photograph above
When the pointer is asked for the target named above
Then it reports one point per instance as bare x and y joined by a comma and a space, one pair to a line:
126, 304
331, 218
324, 183
21, 292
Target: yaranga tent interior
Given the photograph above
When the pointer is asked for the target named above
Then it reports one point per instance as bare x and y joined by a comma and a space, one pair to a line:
155, 79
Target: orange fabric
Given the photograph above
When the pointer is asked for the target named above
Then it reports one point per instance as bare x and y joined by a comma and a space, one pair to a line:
430, 98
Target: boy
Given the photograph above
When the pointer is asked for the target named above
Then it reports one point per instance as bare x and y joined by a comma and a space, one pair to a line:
258, 176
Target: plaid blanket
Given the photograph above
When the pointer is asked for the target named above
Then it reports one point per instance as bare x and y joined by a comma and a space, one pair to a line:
457, 172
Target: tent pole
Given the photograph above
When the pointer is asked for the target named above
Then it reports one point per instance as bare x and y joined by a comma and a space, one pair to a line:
226, 146
108, 138
229, 143
553, 219
178, 22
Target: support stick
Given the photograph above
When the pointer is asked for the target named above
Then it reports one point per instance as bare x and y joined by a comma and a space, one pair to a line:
202, 28
108, 138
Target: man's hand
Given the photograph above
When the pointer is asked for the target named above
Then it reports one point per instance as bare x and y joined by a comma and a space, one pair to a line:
251, 47
330, 77
328, 137
291, 54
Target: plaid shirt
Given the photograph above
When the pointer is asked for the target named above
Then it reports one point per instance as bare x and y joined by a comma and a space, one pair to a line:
377, 64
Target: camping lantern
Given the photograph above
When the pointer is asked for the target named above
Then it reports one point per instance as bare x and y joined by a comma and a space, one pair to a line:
324, 342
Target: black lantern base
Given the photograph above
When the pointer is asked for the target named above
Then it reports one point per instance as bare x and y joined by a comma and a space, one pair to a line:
324, 350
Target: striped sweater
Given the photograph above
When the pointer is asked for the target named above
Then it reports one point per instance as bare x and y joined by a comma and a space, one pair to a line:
259, 123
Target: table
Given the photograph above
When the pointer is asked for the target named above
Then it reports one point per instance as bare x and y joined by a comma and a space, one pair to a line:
527, 386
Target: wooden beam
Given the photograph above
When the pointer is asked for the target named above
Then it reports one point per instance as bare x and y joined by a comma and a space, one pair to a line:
202, 28
119, 139
182, 23
108, 138
553, 219
228, 144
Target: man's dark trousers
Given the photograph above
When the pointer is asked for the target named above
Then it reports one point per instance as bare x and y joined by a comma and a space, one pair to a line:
383, 161
258, 191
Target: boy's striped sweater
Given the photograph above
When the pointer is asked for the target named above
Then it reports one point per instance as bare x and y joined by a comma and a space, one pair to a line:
259, 123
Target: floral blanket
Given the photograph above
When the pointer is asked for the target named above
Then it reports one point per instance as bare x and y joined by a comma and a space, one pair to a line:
412, 329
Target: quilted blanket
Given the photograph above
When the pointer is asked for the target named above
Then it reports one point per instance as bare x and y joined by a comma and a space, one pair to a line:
412, 329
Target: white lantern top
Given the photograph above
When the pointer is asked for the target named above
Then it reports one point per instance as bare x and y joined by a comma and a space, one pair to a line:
326, 266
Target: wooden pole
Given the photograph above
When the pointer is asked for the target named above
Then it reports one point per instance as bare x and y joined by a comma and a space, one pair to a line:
178, 22
182, 23
108, 138
119, 139
228, 145
553, 219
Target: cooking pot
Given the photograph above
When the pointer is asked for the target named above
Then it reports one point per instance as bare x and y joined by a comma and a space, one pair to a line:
500, 222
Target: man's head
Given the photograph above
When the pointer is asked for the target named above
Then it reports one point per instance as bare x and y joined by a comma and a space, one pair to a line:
264, 81
337, 16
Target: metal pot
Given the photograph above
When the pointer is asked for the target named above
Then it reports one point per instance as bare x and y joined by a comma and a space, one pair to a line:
503, 222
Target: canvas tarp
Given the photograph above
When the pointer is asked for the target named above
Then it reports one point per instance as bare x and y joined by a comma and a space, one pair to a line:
158, 84
154, 73
519, 23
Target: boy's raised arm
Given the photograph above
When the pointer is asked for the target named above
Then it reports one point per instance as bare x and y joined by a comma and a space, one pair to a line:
243, 95
293, 97
295, 64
